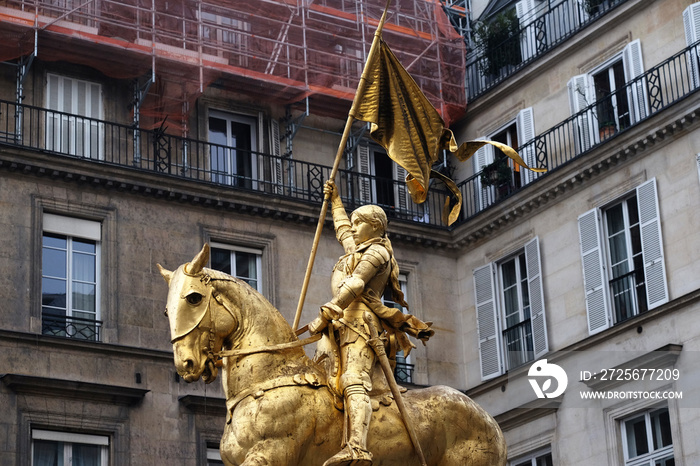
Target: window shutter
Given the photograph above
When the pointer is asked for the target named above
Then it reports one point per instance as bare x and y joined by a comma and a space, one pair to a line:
582, 15
652, 245
691, 24
363, 168
579, 99
634, 67
534, 282
594, 276
525, 124
487, 322
525, 9
275, 149
400, 188
482, 157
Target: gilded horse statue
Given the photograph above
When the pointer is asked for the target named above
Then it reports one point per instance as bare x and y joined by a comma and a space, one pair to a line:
280, 409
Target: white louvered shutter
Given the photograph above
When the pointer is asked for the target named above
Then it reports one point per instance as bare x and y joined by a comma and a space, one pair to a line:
691, 24
525, 9
365, 180
534, 282
400, 191
595, 282
579, 98
525, 124
275, 149
652, 244
634, 67
582, 13
484, 195
487, 322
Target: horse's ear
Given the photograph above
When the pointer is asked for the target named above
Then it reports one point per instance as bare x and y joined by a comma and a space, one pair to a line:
199, 261
167, 274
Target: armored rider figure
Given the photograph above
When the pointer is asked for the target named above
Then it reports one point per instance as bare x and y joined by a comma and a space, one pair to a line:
358, 283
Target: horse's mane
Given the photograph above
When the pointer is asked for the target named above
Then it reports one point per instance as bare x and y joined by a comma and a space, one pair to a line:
253, 294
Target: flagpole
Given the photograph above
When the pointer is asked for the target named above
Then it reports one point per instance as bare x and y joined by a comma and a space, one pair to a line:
338, 157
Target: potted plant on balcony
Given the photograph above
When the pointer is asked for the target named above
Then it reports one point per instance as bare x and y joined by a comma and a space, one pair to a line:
594, 6
496, 174
607, 129
498, 43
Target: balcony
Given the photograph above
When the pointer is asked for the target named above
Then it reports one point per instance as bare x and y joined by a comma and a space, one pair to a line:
659, 88
155, 151
229, 168
537, 32
71, 327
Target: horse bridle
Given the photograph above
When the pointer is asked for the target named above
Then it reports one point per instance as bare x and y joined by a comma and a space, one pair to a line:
215, 359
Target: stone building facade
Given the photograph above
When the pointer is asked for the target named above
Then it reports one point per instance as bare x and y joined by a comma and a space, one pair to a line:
131, 136
591, 266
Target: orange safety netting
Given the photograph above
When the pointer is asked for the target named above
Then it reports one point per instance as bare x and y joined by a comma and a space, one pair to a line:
286, 50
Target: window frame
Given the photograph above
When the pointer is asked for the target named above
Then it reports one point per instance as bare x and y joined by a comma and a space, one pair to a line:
525, 132
582, 96
532, 457
524, 321
70, 228
229, 175
69, 439
233, 249
594, 257
638, 307
62, 117
490, 318
645, 459
213, 456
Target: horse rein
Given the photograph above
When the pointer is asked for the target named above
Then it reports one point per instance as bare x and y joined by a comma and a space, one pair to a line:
216, 357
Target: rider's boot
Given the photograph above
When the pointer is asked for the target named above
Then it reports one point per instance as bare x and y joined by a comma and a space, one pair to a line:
359, 410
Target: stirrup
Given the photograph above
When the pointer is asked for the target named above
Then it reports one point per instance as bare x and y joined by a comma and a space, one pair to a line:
349, 456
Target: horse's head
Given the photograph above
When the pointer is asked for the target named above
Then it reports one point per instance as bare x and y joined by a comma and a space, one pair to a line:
198, 323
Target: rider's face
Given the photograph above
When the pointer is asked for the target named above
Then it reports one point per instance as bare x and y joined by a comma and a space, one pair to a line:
362, 231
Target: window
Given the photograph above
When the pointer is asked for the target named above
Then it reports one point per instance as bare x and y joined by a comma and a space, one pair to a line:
691, 24
52, 448
504, 175
404, 369
233, 155
228, 35
214, 457
540, 458
70, 284
646, 438
74, 127
240, 262
510, 312
625, 262
622, 256
515, 307
620, 99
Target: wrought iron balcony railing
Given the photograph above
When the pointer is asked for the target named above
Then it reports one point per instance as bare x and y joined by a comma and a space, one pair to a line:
662, 86
540, 30
628, 295
518, 343
403, 372
71, 327
104, 142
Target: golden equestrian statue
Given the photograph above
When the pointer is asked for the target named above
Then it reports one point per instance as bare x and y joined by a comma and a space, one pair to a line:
282, 406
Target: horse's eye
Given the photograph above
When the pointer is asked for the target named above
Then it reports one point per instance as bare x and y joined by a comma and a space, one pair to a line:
194, 298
